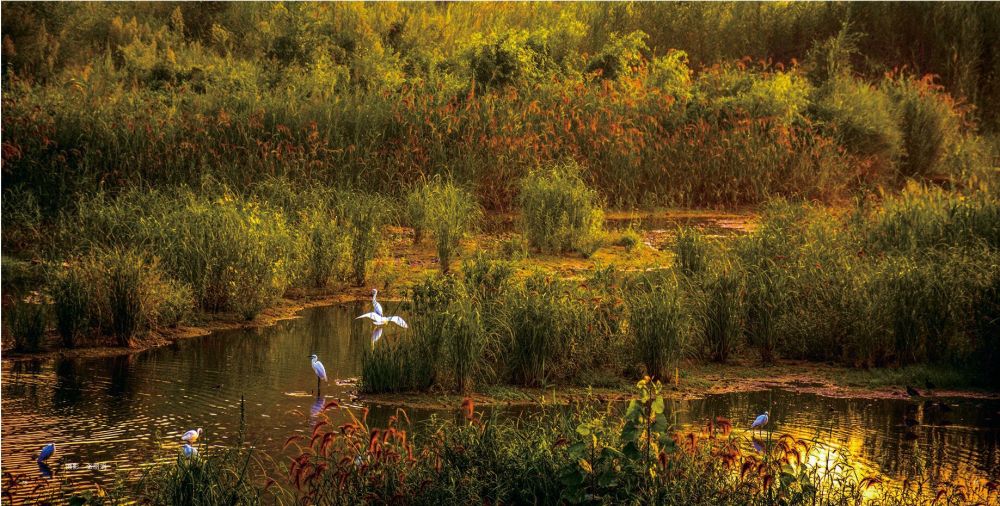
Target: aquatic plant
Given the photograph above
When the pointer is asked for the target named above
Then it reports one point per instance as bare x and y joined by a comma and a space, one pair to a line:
559, 212
454, 213
27, 323
655, 323
691, 251
70, 303
722, 313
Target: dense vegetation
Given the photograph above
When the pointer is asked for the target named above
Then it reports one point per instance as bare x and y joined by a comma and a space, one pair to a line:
656, 103
586, 454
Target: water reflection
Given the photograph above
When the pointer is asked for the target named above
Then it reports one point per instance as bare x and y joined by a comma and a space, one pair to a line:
128, 411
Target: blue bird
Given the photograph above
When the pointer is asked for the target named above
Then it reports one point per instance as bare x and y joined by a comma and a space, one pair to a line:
189, 451
760, 421
46, 452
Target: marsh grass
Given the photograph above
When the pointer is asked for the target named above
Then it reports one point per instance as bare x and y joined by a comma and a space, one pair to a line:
125, 270
70, 303
765, 292
691, 251
559, 212
27, 324
538, 322
655, 320
451, 214
722, 313
364, 216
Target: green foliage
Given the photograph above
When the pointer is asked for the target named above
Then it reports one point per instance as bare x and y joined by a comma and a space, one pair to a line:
863, 118
930, 125
691, 251
417, 210
71, 301
764, 303
326, 245
486, 278
722, 313
27, 324
629, 239
464, 341
655, 320
125, 271
451, 213
364, 216
672, 74
620, 56
559, 212
538, 321
502, 59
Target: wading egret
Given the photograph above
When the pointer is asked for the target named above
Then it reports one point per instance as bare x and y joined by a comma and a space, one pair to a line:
376, 307
319, 370
380, 320
760, 421
192, 435
46, 452
189, 451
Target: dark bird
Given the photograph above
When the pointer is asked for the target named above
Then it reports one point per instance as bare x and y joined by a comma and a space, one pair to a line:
912, 392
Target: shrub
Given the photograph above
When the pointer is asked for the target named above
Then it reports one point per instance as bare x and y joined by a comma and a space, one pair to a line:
863, 118
463, 338
559, 212
71, 302
780, 95
452, 212
514, 247
655, 322
620, 55
124, 271
326, 245
364, 216
630, 239
722, 314
537, 321
505, 58
929, 125
485, 278
417, 210
27, 324
691, 251
671, 73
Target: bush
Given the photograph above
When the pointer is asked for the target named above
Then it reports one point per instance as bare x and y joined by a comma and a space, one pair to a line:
27, 324
929, 124
620, 55
863, 118
463, 338
452, 212
125, 270
765, 292
630, 239
537, 322
364, 216
485, 278
417, 210
71, 303
691, 251
559, 212
722, 314
655, 320
326, 245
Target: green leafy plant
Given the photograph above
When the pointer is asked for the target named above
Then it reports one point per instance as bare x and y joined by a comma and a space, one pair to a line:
559, 212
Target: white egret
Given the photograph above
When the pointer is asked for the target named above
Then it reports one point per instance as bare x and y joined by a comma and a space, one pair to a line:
376, 307
192, 435
189, 451
380, 320
46, 452
319, 370
376, 335
760, 421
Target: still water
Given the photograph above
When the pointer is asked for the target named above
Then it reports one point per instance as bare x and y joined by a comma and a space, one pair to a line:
110, 416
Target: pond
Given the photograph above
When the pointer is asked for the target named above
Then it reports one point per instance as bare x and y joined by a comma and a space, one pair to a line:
114, 415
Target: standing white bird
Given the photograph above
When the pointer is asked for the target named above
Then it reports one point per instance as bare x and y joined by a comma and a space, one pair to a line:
319, 370
376, 307
760, 421
189, 451
192, 435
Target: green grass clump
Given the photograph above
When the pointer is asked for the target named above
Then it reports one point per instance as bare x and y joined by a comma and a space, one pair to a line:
929, 123
630, 239
691, 251
71, 303
863, 117
537, 320
464, 340
559, 212
418, 210
27, 324
452, 213
327, 247
764, 302
364, 216
722, 313
655, 320
125, 271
